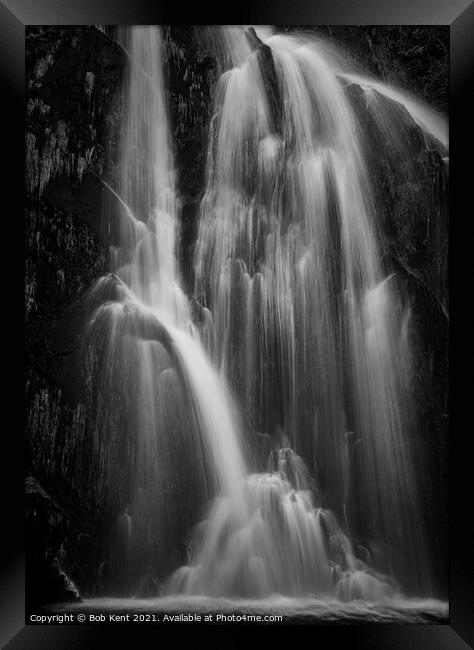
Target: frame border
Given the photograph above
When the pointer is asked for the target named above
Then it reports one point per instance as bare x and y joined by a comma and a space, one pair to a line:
459, 15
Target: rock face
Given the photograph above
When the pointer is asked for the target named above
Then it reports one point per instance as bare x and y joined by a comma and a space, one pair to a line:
47, 533
72, 76
72, 115
73, 108
263, 54
412, 221
192, 73
73, 79
414, 58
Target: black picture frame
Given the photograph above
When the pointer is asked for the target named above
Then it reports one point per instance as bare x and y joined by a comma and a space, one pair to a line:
459, 15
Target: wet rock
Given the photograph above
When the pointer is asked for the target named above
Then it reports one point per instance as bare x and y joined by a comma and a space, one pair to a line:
71, 102
266, 64
47, 530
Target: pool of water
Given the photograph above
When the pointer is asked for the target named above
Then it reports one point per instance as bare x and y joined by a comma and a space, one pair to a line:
302, 610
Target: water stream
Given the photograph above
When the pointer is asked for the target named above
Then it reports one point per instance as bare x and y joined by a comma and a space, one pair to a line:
300, 356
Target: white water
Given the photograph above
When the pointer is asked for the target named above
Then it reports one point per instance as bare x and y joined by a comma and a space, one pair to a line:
324, 610
153, 356
301, 322
150, 267
305, 325
428, 119
281, 543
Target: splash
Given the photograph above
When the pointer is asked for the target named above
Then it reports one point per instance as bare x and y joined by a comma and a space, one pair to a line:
280, 543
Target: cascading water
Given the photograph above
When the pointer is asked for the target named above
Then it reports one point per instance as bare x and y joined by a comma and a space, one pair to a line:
299, 318
305, 326
160, 406
281, 542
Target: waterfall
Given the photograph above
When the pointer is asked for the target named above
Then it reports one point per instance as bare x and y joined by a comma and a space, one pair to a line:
306, 326
161, 407
429, 120
302, 357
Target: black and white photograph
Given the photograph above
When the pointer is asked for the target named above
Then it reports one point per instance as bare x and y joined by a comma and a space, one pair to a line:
237, 310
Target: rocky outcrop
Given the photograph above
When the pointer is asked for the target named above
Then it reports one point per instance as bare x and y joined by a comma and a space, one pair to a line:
47, 533
73, 79
408, 56
192, 73
409, 179
266, 64
72, 107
